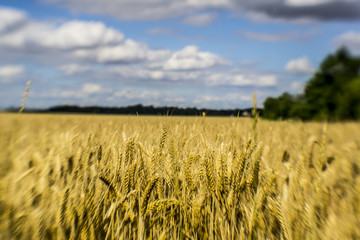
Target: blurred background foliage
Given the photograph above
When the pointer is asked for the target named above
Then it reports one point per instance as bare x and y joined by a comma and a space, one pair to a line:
333, 93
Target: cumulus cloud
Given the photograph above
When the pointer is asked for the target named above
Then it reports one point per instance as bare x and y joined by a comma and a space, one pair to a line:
97, 43
11, 19
135, 72
87, 51
351, 40
67, 36
156, 58
217, 77
8, 71
126, 52
80, 34
319, 10
157, 98
191, 58
200, 19
300, 66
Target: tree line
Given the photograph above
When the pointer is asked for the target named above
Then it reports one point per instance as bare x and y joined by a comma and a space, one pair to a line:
332, 93
139, 109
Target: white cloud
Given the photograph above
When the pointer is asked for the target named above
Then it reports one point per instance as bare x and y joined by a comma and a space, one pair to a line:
13, 29
200, 19
163, 63
81, 34
195, 77
231, 79
190, 58
77, 47
128, 51
135, 72
300, 66
18, 31
185, 75
156, 58
90, 88
10, 18
157, 74
8, 71
91, 41
351, 40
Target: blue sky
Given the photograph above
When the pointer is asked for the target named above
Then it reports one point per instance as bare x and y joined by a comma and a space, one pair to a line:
202, 53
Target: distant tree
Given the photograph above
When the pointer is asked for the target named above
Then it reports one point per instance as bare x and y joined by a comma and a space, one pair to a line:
280, 107
271, 110
300, 108
332, 93
326, 89
349, 104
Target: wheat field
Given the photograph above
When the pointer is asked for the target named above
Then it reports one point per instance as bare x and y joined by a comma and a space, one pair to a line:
138, 177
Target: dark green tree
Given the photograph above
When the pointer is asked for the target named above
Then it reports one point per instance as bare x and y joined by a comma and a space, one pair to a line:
278, 107
326, 89
349, 104
332, 93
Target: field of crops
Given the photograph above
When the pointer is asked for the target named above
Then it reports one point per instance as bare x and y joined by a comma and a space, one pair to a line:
137, 177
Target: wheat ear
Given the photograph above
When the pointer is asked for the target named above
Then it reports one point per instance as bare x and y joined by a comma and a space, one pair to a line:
147, 194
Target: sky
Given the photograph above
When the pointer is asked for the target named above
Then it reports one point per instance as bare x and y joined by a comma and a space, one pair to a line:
185, 53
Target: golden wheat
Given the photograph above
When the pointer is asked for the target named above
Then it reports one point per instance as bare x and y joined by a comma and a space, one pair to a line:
122, 177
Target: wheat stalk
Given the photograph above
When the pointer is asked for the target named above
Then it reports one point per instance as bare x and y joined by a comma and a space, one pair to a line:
26, 93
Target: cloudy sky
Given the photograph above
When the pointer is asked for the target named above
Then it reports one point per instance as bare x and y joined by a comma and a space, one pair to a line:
203, 53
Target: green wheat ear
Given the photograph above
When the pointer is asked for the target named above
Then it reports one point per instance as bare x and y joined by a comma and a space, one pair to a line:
26, 93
